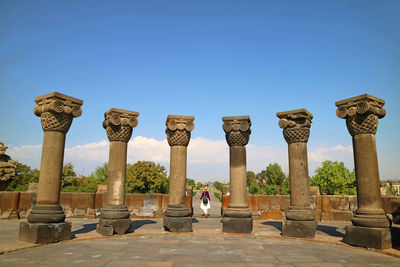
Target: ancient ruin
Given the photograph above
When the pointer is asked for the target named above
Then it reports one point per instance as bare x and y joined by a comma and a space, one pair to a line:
46, 221
371, 227
115, 216
7, 168
238, 217
299, 219
177, 217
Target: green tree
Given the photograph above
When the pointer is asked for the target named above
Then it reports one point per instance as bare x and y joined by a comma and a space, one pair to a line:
275, 175
146, 177
101, 173
218, 185
250, 177
333, 178
191, 182
24, 176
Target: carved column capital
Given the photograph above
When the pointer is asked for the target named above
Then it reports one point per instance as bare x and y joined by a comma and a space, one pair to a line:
178, 129
361, 113
119, 124
57, 110
295, 124
237, 130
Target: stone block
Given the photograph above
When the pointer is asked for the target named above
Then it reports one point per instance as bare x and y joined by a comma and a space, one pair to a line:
165, 201
9, 205
44, 233
177, 224
254, 205
368, 237
272, 215
352, 203
26, 201
325, 203
134, 201
237, 225
225, 202
65, 203
301, 229
285, 203
108, 227
269, 202
334, 215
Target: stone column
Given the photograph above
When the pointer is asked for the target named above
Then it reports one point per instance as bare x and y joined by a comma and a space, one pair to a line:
114, 218
177, 217
46, 220
299, 219
370, 228
237, 217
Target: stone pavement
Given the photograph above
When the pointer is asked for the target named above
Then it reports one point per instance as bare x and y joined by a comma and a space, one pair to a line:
150, 245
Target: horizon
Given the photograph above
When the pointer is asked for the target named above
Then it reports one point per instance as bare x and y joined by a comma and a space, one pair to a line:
207, 60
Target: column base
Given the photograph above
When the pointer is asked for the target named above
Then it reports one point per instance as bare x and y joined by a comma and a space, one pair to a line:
114, 212
108, 227
177, 224
368, 237
177, 219
301, 229
46, 214
44, 233
237, 225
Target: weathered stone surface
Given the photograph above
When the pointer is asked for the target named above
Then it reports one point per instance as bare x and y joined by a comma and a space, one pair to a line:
178, 215
302, 229
108, 227
119, 124
177, 224
362, 114
237, 133
56, 112
237, 225
43, 233
296, 130
369, 237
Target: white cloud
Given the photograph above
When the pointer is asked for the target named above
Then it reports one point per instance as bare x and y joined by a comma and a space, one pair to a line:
208, 160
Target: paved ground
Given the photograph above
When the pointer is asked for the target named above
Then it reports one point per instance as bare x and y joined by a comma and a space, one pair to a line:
149, 245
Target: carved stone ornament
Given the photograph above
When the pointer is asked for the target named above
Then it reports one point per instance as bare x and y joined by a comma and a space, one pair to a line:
119, 123
178, 129
7, 168
295, 124
237, 130
57, 110
361, 113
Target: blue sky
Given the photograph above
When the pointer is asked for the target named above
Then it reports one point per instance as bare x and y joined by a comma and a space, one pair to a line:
203, 58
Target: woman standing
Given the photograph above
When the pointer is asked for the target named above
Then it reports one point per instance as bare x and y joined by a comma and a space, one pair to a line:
205, 201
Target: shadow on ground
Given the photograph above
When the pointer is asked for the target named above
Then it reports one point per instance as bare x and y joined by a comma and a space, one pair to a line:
277, 225
136, 224
330, 230
85, 229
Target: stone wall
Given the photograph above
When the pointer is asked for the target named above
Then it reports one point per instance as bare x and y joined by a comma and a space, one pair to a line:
326, 208
16, 205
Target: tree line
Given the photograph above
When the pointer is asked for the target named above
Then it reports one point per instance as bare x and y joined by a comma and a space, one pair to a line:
332, 178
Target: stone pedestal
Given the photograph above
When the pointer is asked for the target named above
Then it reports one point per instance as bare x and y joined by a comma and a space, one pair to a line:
47, 217
371, 227
115, 215
237, 217
177, 217
44, 233
299, 219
